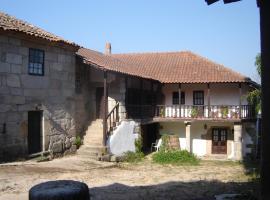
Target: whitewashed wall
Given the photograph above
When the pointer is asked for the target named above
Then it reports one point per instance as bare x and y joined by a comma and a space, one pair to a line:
123, 138
220, 94
174, 128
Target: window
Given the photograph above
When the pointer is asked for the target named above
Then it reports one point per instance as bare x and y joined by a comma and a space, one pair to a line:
36, 62
198, 98
175, 98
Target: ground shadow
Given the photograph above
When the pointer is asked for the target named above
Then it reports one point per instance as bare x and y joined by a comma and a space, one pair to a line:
198, 190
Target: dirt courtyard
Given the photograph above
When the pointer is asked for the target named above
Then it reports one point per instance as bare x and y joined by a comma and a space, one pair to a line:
143, 180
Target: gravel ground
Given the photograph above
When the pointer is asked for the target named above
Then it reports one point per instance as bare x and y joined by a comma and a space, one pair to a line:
143, 180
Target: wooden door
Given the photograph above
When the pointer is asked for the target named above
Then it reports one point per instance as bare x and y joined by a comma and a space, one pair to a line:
34, 131
99, 102
219, 141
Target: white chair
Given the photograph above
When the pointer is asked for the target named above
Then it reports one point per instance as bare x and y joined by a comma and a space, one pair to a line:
156, 145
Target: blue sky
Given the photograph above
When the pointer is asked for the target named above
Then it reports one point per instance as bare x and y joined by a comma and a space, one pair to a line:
227, 34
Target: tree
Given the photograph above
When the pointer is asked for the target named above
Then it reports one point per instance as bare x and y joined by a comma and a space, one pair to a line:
254, 97
258, 64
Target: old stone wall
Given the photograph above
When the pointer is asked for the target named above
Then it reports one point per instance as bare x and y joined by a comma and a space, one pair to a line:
53, 94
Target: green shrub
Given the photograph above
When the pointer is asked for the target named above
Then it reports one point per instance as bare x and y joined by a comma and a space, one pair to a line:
136, 156
165, 143
138, 145
176, 157
133, 157
78, 141
194, 112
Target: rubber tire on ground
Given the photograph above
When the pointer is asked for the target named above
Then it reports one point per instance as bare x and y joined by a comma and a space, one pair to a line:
62, 189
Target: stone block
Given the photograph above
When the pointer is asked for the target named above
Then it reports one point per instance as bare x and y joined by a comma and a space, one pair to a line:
53, 92
65, 58
35, 82
67, 143
4, 67
17, 99
13, 80
16, 91
4, 107
13, 58
14, 41
34, 93
4, 90
3, 80
3, 39
13, 117
24, 51
16, 69
67, 92
59, 75
72, 140
57, 147
55, 84
73, 148
57, 66
50, 56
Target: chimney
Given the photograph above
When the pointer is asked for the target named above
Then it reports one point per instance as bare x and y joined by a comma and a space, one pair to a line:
108, 48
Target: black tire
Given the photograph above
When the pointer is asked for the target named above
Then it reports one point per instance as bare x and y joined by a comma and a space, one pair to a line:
59, 190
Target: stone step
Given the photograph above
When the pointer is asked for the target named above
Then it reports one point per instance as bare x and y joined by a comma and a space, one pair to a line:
87, 140
93, 142
93, 133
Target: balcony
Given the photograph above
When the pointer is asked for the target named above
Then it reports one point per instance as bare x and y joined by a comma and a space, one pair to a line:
223, 112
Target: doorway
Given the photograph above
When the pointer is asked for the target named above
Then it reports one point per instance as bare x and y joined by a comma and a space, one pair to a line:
150, 133
34, 131
219, 141
99, 102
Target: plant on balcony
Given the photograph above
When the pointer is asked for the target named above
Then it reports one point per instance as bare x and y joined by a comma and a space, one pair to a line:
194, 112
224, 111
162, 112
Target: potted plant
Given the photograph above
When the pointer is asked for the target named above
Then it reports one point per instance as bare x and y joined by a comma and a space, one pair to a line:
224, 111
194, 112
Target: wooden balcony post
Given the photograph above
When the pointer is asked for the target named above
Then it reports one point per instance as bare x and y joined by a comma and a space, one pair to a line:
240, 100
179, 93
141, 97
105, 114
208, 99
126, 96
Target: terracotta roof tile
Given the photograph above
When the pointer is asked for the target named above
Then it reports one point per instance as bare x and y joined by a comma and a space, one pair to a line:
9, 23
110, 63
180, 67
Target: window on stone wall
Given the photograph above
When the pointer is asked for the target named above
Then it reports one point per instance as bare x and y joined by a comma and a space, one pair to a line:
36, 62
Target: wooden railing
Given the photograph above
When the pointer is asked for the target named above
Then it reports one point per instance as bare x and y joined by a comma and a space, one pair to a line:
191, 111
112, 118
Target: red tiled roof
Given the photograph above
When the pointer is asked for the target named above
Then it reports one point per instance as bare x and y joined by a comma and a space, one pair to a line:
9, 23
110, 63
180, 67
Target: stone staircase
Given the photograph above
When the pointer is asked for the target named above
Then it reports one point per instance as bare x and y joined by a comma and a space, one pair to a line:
92, 147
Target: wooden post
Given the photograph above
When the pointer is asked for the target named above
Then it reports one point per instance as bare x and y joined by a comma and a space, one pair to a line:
179, 94
141, 98
240, 100
126, 96
105, 114
152, 100
265, 137
208, 99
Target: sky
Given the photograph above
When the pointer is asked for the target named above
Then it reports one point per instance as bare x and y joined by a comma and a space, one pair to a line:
227, 34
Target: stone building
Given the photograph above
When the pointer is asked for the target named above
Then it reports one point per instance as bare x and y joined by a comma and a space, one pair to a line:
37, 90
52, 90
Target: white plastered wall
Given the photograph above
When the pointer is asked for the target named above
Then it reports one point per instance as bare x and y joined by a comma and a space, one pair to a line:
174, 128
220, 94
